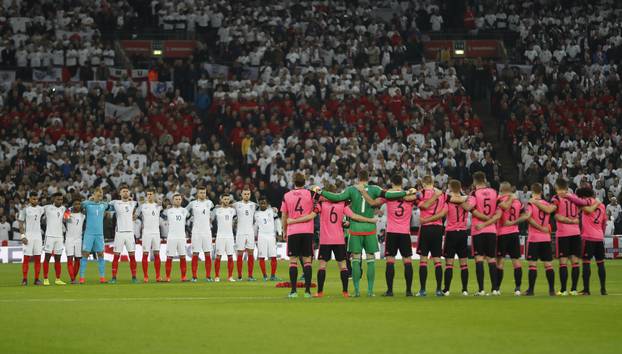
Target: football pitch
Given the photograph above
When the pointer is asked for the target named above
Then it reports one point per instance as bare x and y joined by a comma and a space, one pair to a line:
256, 317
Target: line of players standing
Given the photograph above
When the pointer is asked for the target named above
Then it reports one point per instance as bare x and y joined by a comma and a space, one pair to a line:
83, 223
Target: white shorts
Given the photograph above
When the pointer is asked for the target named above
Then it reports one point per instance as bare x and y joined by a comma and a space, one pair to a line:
201, 243
34, 246
224, 246
243, 242
176, 247
53, 244
266, 247
151, 242
124, 239
73, 247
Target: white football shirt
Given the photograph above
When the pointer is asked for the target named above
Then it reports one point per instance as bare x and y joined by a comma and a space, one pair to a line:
176, 218
201, 216
264, 219
54, 220
74, 225
224, 220
246, 215
150, 214
125, 214
31, 216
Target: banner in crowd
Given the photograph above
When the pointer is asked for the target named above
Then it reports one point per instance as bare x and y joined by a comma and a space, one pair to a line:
158, 88
54, 75
137, 47
250, 73
525, 69
216, 71
121, 113
7, 77
12, 251
178, 48
472, 48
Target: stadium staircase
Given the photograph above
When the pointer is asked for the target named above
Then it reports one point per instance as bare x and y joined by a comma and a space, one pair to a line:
508, 170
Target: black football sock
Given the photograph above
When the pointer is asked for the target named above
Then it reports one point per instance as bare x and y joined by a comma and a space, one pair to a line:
438, 274
408, 275
307, 273
423, 274
550, 278
499, 277
602, 275
321, 277
449, 272
563, 277
533, 274
479, 272
293, 276
464, 275
344, 280
389, 274
492, 270
574, 276
587, 272
518, 276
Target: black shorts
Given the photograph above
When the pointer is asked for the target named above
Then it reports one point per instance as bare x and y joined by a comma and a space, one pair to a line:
568, 246
539, 251
430, 241
394, 242
508, 245
484, 245
300, 245
594, 249
325, 252
455, 244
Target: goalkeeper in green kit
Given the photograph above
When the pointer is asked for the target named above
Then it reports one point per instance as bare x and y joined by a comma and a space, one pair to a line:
363, 235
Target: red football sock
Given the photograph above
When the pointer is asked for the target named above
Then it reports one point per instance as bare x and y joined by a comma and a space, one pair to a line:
208, 265
183, 266
25, 266
273, 266
217, 266
145, 264
156, 264
169, 266
239, 265
250, 264
262, 265
115, 264
57, 266
195, 265
70, 267
230, 266
76, 267
46, 267
133, 265
37, 266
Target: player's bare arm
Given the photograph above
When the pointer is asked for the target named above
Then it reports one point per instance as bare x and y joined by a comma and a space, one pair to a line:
545, 208
367, 197
284, 224
535, 224
434, 217
301, 219
506, 204
22, 234
428, 203
479, 215
490, 221
566, 220
590, 208
523, 217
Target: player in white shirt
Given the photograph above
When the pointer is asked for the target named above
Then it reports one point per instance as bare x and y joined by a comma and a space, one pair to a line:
245, 234
224, 215
176, 240
30, 235
74, 223
267, 225
201, 211
124, 232
54, 214
150, 212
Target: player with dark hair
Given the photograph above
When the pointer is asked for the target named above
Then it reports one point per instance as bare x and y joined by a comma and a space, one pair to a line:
54, 215
150, 212
201, 239
30, 235
124, 233
456, 243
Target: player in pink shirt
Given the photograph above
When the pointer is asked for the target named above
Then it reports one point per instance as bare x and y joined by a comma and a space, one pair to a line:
432, 206
483, 207
398, 214
539, 239
508, 242
332, 239
567, 236
593, 224
456, 239
296, 203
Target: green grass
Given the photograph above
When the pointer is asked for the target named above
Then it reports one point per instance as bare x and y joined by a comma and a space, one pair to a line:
258, 318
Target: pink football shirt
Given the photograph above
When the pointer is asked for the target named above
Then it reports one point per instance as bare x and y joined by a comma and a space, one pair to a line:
435, 208
542, 218
593, 225
398, 216
297, 203
485, 201
511, 214
456, 217
570, 210
331, 222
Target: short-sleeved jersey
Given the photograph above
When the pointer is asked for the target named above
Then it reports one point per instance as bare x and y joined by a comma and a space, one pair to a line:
224, 221
484, 200
176, 218
265, 220
593, 224
398, 215
74, 224
456, 217
94, 212
31, 217
434, 209
201, 211
150, 215
54, 220
297, 203
331, 221
542, 218
359, 206
567, 209
511, 214
246, 214
124, 211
